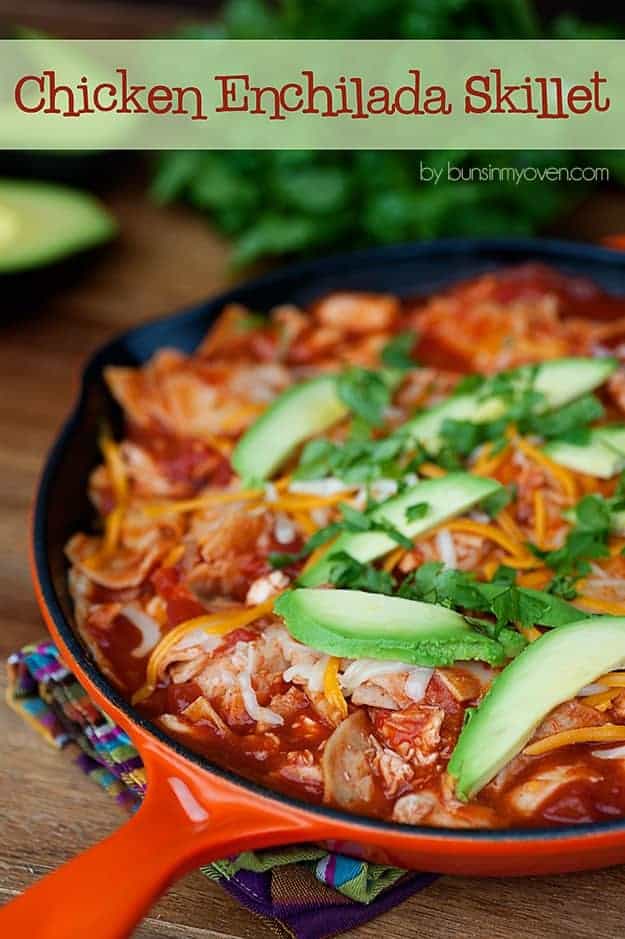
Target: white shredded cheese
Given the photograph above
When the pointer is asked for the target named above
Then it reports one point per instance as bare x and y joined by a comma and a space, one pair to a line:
309, 672
446, 548
382, 489
284, 529
318, 487
256, 711
320, 516
614, 753
147, 626
265, 587
271, 493
361, 671
590, 689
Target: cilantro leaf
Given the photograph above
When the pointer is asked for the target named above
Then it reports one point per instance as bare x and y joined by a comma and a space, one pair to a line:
348, 573
365, 393
397, 351
417, 511
570, 422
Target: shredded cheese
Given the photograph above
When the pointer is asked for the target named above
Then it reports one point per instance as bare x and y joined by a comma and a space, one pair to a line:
393, 559
597, 605
216, 624
331, 687
579, 735
316, 555
486, 465
602, 700
156, 509
172, 557
536, 579
116, 468
509, 526
489, 568
121, 490
559, 473
431, 470
468, 525
297, 503
304, 522
529, 632
612, 680
540, 518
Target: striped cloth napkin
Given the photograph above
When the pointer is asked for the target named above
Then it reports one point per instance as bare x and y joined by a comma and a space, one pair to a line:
302, 892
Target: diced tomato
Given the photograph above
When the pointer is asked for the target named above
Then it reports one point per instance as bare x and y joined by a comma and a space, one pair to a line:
181, 603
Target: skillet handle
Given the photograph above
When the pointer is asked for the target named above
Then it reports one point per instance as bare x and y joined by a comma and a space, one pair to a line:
104, 892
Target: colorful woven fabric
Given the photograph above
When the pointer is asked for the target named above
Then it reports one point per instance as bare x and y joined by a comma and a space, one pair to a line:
302, 892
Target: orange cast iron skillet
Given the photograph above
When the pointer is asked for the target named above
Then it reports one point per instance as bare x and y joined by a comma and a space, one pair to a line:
194, 812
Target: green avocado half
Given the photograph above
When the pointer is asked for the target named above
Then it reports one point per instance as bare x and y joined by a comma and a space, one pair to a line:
43, 223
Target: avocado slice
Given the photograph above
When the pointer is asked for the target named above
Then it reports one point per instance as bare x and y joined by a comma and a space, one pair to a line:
298, 413
41, 223
603, 455
547, 673
559, 381
354, 624
445, 497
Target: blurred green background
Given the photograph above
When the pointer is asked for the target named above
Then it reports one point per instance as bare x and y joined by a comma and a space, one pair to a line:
285, 203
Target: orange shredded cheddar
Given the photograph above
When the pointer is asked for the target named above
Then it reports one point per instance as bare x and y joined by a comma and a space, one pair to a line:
579, 735
562, 475
489, 568
299, 501
486, 530
431, 470
116, 468
486, 465
214, 624
239, 416
121, 490
393, 559
597, 605
173, 556
616, 547
317, 554
219, 497
331, 687
525, 563
529, 632
602, 700
509, 526
612, 680
540, 518
304, 522
536, 579
222, 444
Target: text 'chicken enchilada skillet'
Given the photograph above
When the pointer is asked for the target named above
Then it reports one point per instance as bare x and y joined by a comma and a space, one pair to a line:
365, 552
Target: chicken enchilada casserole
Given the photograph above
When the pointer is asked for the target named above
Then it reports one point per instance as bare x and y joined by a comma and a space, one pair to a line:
372, 553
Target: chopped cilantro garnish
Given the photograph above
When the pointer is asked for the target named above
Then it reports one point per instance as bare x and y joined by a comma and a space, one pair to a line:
568, 423
397, 352
348, 573
416, 511
586, 542
365, 393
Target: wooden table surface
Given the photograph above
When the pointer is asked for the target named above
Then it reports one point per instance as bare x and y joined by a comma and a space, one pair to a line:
165, 259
